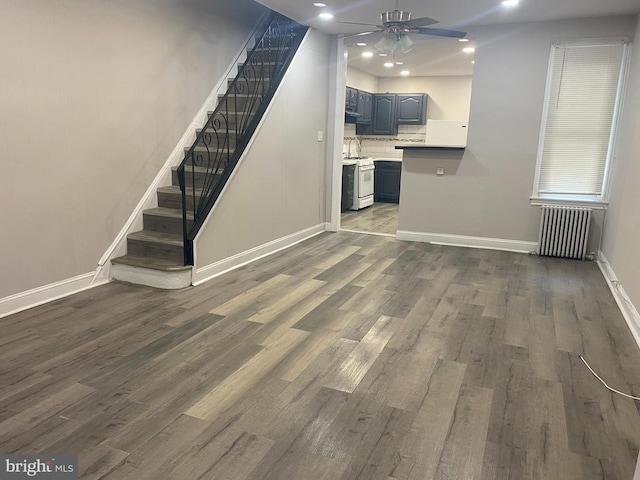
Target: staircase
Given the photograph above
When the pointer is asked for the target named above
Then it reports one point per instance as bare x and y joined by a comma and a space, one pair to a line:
161, 255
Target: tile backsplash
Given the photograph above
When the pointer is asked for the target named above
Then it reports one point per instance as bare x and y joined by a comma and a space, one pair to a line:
383, 146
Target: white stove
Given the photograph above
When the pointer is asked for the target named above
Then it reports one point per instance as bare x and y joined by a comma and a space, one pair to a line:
363, 183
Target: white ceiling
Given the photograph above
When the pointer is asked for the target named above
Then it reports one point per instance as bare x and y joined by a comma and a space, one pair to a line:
434, 55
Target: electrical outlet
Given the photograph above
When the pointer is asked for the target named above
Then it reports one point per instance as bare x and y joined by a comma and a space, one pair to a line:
439, 171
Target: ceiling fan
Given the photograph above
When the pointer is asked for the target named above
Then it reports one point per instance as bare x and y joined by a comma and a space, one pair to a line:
396, 27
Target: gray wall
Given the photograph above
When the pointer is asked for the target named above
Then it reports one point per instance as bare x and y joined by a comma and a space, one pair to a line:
279, 188
486, 193
94, 96
622, 228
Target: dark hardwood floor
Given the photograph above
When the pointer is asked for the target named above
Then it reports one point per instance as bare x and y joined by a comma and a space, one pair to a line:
345, 357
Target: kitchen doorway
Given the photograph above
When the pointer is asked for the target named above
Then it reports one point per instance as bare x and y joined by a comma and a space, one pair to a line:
379, 218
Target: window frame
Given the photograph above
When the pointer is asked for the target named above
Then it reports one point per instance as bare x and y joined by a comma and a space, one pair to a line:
602, 199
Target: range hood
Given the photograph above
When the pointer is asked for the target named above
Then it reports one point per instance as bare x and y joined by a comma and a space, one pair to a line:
351, 117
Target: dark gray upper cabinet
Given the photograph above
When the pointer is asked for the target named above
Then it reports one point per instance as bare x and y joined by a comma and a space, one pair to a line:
364, 107
411, 108
351, 99
384, 114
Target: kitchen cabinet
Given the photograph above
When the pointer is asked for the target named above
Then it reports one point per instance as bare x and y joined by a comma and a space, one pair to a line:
348, 178
351, 99
411, 108
384, 114
364, 107
393, 109
387, 181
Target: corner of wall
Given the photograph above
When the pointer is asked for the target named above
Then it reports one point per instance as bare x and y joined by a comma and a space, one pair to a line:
626, 306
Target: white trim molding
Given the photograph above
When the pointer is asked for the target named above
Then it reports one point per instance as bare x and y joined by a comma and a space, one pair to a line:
595, 205
47, 293
629, 311
518, 246
208, 272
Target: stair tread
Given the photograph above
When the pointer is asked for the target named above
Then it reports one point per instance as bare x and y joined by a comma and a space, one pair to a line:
201, 148
189, 169
231, 132
175, 190
167, 212
151, 263
156, 237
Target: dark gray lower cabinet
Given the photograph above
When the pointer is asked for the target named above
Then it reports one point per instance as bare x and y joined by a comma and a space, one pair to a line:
386, 187
348, 176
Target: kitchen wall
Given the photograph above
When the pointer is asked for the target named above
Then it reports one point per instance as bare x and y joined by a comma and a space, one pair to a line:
622, 227
279, 187
95, 95
486, 193
361, 80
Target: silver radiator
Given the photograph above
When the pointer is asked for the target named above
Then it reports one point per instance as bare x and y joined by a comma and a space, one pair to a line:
564, 231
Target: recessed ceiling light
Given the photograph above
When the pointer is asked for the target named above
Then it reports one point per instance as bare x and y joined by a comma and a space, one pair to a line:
319, 4
468, 49
404, 73
473, 61
463, 39
326, 16
510, 3
361, 44
367, 54
388, 64
382, 55
399, 63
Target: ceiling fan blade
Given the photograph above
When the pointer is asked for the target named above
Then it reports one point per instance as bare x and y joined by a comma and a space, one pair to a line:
440, 32
420, 22
359, 34
356, 23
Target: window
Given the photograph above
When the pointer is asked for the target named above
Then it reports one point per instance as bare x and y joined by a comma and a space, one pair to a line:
584, 89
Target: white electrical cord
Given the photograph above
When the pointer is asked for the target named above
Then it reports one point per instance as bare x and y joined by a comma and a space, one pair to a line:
605, 383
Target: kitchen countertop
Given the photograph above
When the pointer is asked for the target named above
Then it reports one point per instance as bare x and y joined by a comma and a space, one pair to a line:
418, 146
387, 160
349, 161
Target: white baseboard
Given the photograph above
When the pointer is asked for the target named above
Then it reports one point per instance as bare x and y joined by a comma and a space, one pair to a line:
629, 311
202, 274
47, 293
518, 246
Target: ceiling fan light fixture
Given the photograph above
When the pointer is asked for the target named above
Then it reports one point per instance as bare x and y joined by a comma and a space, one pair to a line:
405, 42
387, 44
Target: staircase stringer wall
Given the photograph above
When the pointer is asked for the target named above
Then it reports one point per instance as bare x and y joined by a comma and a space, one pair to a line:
285, 156
149, 200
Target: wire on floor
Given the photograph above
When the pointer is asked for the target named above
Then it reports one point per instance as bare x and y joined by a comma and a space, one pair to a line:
605, 383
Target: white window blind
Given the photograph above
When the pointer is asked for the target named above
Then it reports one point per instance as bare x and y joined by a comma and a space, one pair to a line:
582, 100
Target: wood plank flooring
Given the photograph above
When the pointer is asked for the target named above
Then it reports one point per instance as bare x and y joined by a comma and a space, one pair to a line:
376, 218
347, 356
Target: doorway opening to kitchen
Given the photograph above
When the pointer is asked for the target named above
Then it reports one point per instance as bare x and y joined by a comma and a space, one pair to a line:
394, 104
370, 192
